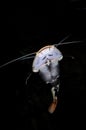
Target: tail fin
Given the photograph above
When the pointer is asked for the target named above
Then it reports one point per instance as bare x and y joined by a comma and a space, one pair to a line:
54, 103
53, 106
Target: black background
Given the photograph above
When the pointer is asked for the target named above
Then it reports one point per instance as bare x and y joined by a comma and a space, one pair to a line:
27, 30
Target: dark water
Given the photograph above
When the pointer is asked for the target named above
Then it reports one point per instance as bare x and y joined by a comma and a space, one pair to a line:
30, 29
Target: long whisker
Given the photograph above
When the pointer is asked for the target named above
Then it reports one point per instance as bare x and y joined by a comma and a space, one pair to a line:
67, 43
62, 40
17, 59
28, 57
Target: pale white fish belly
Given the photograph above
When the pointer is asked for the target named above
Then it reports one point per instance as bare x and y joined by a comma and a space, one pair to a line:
44, 54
